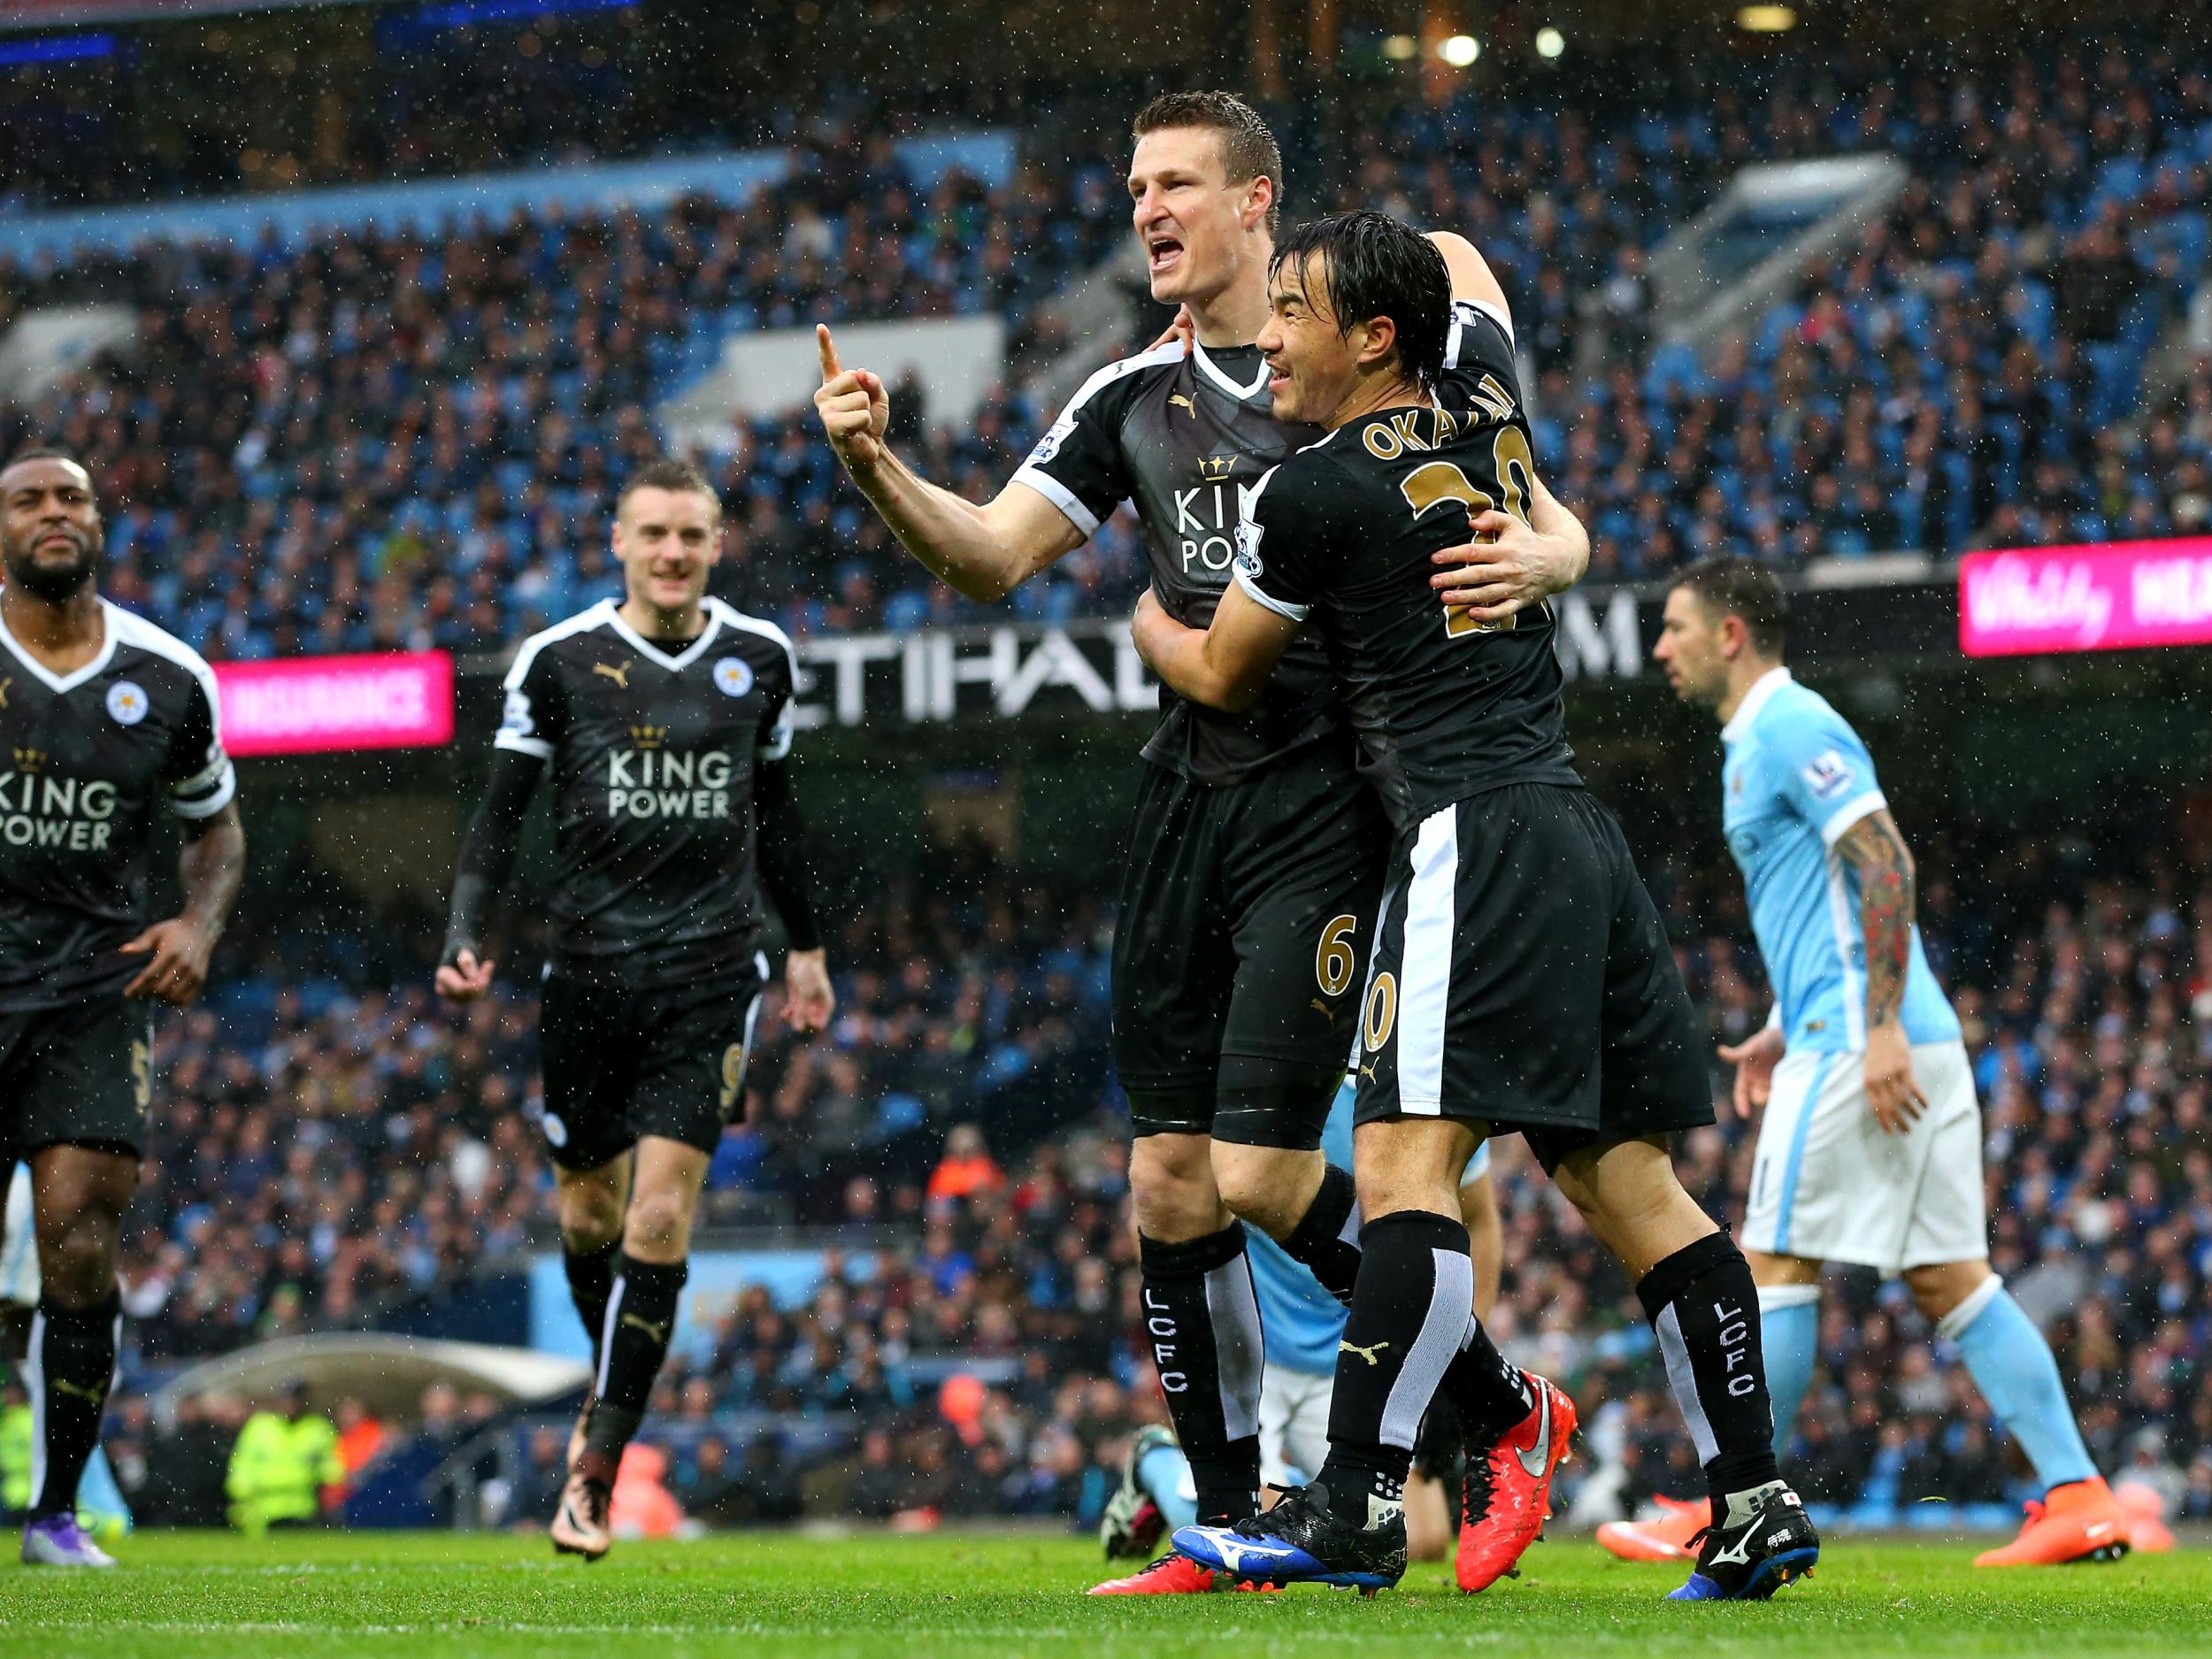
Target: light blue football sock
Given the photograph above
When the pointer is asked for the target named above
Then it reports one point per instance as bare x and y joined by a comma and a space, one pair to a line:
99, 1495
2011, 1365
1164, 1474
1789, 1331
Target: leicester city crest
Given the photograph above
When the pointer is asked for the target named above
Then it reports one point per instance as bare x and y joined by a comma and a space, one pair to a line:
127, 704
733, 676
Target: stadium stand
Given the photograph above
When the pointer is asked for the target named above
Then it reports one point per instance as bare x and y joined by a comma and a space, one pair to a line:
2085, 986
329, 1147
1957, 382
336, 1142
385, 442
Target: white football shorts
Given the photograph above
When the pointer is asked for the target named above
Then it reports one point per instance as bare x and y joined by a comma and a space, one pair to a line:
1293, 1424
1827, 1184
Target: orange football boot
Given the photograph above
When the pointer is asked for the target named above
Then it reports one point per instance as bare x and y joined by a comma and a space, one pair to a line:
1505, 1496
1666, 1538
1171, 1575
2079, 1521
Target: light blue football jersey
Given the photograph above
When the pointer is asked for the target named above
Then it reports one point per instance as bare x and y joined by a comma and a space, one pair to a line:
1301, 1322
1796, 778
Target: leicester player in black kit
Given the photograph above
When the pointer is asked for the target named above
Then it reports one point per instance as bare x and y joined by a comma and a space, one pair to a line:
106, 724
1522, 980
666, 719
1254, 866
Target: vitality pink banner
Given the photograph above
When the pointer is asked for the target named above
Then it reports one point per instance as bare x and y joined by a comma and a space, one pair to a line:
316, 704
2096, 599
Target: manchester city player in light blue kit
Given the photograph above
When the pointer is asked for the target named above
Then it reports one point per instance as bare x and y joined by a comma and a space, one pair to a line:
1301, 1324
1870, 1152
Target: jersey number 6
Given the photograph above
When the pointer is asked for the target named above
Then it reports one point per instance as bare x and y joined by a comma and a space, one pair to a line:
1333, 962
1436, 481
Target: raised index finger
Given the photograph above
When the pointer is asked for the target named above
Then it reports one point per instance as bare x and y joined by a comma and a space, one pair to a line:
830, 370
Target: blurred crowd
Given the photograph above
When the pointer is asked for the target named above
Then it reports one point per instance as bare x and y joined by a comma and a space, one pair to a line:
2086, 994
245, 104
971, 1346
385, 442
336, 1143
1962, 375
2080, 960
987, 1370
382, 441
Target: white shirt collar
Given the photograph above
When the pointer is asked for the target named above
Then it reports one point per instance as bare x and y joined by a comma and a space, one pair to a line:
76, 676
1761, 692
1220, 377
675, 663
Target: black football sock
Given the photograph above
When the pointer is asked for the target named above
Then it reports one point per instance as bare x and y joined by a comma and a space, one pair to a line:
1326, 1239
68, 1369
1203, 1319
1705, 1308
590, 1280
1488, 1391
1409, 1317
641, 1318
1490, 1395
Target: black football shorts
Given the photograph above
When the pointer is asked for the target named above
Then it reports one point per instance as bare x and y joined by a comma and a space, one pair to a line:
1522, 980
76, 1076
1246, 911
621, 1062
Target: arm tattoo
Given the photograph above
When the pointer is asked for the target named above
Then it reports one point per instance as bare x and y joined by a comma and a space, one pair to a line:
1877, 852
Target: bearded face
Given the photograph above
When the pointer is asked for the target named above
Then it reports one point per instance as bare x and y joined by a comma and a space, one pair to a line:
50, 536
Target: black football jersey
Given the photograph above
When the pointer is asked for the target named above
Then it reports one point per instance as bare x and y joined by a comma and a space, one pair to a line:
1184, 438
1340, 536
656, 870
87, 761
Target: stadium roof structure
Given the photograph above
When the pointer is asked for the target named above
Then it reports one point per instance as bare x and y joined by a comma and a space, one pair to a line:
385, 1372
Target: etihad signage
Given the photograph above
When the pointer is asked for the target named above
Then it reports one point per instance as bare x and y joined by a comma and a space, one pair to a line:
308, 705
1019, 669
2103, 598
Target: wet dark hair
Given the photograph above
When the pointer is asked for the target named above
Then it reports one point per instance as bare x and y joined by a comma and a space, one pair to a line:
44, 452
1248, 150
668, 473
1379, 266
1728, 586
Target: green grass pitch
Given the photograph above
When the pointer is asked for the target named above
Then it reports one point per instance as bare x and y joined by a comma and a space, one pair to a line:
428, 1596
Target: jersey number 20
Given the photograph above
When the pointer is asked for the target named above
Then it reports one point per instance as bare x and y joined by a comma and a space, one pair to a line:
1436, 481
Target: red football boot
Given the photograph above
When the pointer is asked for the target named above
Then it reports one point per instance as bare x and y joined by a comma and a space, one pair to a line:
1506, 1496
1172, 1575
